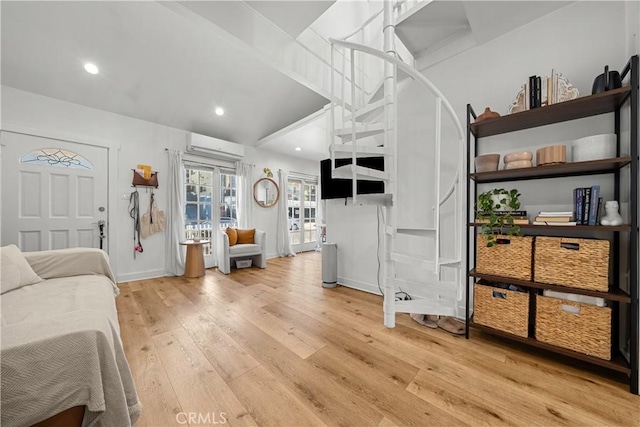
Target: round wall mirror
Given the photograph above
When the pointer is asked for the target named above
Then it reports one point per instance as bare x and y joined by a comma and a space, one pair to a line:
266, 192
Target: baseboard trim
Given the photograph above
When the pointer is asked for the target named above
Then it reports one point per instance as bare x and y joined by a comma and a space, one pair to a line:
142, 275
358, 285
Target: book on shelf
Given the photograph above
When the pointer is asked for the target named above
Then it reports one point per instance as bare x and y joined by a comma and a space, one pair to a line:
516, 220
555, 213
554, 82
499, 213
599, 212
593, 208
540, 91
553, 218
554, 223
586, 201
577, 202
532, 92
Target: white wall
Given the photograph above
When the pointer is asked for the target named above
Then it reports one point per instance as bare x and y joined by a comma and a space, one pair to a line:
135, 141
491, 75
266, 218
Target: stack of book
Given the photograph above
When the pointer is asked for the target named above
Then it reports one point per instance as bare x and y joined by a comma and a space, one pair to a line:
519, 217
586, 205
554, 218
540, 92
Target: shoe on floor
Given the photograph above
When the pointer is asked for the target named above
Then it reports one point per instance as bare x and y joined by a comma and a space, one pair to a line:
452, 325
426, 320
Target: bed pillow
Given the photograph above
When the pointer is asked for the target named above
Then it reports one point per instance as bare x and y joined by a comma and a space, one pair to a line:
16, 271
246, 236
233, 236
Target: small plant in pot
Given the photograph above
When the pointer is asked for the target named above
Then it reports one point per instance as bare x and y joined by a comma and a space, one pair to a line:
494, 209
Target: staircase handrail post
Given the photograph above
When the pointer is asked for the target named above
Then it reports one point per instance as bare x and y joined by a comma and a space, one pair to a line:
332, 112
437, 157
354, 180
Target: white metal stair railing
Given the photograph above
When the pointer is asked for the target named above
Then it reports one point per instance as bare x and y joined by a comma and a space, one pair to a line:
344, 140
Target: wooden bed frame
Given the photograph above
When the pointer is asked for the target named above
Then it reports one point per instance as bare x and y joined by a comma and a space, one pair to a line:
71, 417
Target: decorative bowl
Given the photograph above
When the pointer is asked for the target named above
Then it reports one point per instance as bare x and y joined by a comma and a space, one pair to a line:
551, 155
595, 147
520, 155
487, 163
518, 164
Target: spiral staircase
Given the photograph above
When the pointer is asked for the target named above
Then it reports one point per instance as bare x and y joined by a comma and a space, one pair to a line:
365, 124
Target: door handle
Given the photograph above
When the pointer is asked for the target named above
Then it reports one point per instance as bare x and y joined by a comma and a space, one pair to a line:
101, 224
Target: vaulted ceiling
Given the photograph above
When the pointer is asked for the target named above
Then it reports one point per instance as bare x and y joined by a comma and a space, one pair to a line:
158, 63
154, 64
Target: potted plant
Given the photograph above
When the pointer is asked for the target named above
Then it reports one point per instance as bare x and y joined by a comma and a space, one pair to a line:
494, 210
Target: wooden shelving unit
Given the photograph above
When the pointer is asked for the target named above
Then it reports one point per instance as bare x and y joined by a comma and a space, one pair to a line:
594, 167
614, 295
578, 228
617, 362
587, 106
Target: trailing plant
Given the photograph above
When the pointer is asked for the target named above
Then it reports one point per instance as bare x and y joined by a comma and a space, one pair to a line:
496, 214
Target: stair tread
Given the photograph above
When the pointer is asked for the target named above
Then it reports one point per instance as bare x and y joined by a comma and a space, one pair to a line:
362, 131
435, 283
362, 173
380, 199
360, 149
368, 111
425, 306
402, 227
426, 263
415, 230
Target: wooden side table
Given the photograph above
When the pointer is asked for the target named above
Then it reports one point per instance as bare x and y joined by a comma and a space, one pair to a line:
194, 263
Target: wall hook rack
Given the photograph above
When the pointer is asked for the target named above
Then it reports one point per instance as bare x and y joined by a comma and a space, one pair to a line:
139, 181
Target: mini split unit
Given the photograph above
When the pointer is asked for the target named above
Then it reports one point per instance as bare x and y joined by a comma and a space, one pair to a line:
213, 147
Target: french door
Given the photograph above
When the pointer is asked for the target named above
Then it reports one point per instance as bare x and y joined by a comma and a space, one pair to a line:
210, 204
302, 206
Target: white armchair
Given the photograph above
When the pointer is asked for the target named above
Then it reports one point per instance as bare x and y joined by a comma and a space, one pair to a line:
256, 251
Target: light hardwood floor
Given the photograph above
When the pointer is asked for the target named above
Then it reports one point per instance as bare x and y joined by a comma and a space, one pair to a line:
273, 348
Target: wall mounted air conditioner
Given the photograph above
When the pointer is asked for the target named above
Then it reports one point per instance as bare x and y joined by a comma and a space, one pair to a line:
202, 145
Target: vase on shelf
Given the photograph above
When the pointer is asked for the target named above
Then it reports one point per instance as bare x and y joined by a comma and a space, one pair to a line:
487, 114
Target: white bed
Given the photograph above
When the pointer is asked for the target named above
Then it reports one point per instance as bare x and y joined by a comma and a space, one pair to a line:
61, 344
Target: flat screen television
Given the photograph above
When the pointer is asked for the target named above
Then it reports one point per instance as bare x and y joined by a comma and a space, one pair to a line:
341, 188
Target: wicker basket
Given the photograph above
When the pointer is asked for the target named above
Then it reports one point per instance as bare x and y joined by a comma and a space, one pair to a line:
501, 309
577, 263
511, 257
579, 327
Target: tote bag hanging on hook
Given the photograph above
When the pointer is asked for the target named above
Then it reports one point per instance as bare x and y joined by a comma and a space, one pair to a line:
153, 221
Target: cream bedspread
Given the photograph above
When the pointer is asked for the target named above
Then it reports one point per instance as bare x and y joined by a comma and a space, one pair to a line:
61, 344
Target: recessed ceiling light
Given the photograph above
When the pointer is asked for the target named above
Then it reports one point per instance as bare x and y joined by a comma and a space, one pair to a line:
298, 149
219, 111
91, 68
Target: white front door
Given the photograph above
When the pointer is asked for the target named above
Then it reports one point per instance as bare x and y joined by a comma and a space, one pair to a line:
54, 193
